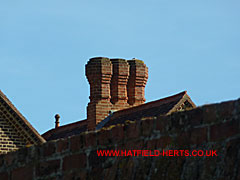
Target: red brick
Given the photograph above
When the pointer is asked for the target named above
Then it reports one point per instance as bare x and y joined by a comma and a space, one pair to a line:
162, 142
118, 134
104, 137
96, 173
62, 145
25, 173
91, 139
193, 136
183, 139
49, 149
194, 117
161, 123
209, 114
111, 172
139, 144
77, 142
136, 82
199, 135
225, 109
224, 130
74, 162
132, 130
48, 167
99, 73
147, 127
230, 157
127, 167
78, 175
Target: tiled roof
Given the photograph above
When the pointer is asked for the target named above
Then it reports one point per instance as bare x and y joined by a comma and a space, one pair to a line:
163, 106
66, 130
10, 113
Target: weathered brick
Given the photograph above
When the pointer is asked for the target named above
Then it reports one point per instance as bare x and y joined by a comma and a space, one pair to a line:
62, 145
25, 173
77, 142
111, 172
194, 117
209, 114
132, 130
75, 175
118, 134
74, 161
162, 123
225, 109
147, 127
49, 149
221, 131
138, 144
159, 143
199, 135
47, 167
104, 137
95, 160
96, 173
91, 139
143, 167
231, 156
127, 167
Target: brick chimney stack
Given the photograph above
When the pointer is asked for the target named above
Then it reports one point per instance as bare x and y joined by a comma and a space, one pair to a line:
119, 83
99, 74
137, 81
114, 85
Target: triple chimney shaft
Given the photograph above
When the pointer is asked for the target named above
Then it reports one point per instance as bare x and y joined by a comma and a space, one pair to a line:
115, 84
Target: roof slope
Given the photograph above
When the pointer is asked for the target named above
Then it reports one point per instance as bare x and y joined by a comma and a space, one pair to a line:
9, 113
66, 130
165, 106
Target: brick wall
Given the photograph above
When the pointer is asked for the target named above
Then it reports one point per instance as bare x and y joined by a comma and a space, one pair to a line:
214, 126
9, 139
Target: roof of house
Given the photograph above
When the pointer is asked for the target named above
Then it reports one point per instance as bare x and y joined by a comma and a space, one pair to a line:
66, 130
10, 113
165, 106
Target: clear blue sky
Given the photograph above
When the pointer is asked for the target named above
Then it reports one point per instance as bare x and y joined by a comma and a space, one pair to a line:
44, 46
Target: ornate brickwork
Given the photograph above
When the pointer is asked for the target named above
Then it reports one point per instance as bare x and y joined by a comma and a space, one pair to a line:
119, 83
115, 84
99, 74
137, 81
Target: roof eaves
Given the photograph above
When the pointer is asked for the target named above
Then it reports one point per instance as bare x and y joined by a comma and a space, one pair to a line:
47, 134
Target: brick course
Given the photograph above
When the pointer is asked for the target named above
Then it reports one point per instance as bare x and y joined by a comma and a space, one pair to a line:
9, 139
76, 157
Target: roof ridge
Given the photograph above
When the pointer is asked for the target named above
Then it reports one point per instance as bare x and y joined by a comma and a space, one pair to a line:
149, 104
